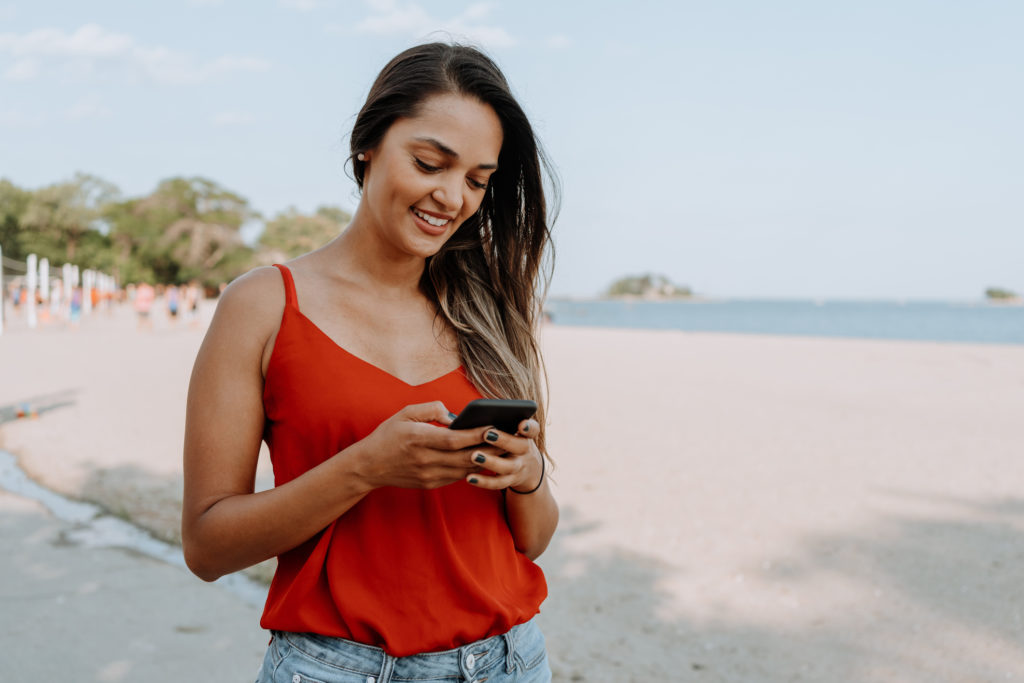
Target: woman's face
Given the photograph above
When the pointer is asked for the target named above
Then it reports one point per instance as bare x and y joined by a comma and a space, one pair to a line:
430, 172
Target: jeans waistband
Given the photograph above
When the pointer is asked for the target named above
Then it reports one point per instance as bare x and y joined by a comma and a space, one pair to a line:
375, 663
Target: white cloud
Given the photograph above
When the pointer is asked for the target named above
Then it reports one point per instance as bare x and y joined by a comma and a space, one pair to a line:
93, 51
22, 70
392, 17
232, 118
88, 107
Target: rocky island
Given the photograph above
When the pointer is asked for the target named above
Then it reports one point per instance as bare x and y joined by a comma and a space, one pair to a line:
649, 287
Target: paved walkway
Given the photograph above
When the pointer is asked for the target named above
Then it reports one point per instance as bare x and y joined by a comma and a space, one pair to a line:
75, 613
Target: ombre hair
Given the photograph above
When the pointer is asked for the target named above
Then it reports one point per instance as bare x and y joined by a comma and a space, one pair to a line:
490, 278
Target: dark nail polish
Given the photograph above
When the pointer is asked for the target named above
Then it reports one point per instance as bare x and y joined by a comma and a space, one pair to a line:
473, 480
479, 457
452, 416
492, 436
526, 428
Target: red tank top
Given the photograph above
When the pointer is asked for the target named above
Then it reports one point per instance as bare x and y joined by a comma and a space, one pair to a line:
406, 570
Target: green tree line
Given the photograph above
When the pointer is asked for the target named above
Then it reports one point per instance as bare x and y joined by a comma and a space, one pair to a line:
648, 285
185, 229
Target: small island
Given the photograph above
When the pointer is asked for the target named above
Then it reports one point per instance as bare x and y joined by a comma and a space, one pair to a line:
649, 287
999, 295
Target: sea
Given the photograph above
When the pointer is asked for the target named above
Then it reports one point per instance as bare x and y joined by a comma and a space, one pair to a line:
936, 321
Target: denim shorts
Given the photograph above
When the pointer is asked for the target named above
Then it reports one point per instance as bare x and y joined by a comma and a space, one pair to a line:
518, 655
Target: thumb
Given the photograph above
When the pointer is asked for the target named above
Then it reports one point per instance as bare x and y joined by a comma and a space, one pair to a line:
435, 411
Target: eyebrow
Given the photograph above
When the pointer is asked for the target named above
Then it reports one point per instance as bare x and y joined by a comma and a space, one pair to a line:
446, 150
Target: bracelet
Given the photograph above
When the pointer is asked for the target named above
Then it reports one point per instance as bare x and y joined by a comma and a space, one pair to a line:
526, 493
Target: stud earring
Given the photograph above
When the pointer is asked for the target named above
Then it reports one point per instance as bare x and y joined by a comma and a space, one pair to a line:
361, 156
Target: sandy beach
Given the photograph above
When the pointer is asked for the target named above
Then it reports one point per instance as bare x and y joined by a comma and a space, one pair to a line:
734, 508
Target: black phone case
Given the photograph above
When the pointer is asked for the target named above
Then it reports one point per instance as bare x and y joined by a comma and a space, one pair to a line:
505, 414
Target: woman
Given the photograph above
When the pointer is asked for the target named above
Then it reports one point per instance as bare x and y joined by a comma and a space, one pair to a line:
405, 549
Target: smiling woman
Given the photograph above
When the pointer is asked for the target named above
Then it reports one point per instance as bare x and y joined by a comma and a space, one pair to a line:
420, 177
405, 549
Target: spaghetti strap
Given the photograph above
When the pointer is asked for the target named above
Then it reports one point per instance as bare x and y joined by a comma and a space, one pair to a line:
289, 286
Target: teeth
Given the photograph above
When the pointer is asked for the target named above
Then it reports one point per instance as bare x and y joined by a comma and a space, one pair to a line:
436, 222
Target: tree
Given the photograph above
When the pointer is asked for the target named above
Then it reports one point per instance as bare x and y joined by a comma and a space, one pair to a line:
59, 218
292, 233
13, 202
1000, 294
648, 286
133, 237
188, 228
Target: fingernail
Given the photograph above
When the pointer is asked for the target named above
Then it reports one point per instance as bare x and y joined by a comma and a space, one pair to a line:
473, 480
452, 416
526, 428
492, 436
480, 457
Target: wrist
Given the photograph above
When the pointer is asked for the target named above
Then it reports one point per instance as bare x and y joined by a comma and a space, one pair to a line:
533, 481
357, 468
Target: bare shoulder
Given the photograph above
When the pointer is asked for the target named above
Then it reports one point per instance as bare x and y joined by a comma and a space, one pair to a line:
251, 306
259, 288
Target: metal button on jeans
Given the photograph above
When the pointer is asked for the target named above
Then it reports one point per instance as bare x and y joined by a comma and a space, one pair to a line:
371, 679
296, 678
470, 662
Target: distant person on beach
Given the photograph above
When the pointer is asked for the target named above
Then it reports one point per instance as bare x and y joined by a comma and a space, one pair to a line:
144, 296
405, 549
173, 299
77, 297
192, 296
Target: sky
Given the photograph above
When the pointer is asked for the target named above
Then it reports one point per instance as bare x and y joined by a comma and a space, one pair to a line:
746, 149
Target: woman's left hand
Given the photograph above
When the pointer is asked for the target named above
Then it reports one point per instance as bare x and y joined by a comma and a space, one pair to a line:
515, 460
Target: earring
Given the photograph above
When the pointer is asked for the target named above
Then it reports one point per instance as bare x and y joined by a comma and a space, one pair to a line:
361, 156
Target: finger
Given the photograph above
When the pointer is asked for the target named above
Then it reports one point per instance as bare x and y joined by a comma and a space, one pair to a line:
443, 438
469, 454
492, 483
510, 444
443, 476
435, 411
529, 429
494, 462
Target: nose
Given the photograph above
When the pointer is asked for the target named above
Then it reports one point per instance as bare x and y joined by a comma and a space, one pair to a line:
448, 193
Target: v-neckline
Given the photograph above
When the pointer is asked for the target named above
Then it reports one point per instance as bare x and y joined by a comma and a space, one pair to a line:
366, 362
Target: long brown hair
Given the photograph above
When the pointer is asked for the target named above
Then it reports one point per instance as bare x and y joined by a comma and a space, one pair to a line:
490, 278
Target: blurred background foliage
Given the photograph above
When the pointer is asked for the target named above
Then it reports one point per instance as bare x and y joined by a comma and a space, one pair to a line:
185, 229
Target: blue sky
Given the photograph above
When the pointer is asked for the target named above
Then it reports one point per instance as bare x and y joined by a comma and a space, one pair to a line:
748, 149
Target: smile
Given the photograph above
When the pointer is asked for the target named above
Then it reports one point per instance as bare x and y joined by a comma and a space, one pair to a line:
433, 220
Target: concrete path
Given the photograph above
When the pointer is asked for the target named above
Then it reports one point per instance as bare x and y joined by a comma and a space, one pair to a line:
75, 613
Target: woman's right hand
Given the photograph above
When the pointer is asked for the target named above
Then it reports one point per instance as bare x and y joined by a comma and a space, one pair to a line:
408, 451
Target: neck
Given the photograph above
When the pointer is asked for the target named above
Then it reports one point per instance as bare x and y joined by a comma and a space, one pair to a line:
364, 257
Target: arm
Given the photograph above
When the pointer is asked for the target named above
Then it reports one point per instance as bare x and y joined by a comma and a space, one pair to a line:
225, 525
532, 517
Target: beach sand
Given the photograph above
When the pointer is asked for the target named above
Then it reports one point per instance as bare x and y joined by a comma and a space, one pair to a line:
734, 508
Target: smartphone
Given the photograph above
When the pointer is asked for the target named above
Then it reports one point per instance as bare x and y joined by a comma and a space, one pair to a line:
503, 413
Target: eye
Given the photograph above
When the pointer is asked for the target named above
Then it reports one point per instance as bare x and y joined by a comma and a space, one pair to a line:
476, 184
425, 166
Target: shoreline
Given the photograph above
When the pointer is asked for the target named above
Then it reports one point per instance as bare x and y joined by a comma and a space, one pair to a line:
901, 301
790, 337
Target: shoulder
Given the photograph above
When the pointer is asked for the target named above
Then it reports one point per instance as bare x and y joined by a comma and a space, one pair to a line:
258, 288
252, 304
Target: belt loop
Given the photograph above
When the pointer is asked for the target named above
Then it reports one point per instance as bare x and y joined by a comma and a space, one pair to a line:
510, 651
387, 669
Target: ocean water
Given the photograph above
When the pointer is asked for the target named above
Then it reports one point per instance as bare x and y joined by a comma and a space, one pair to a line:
972, 322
